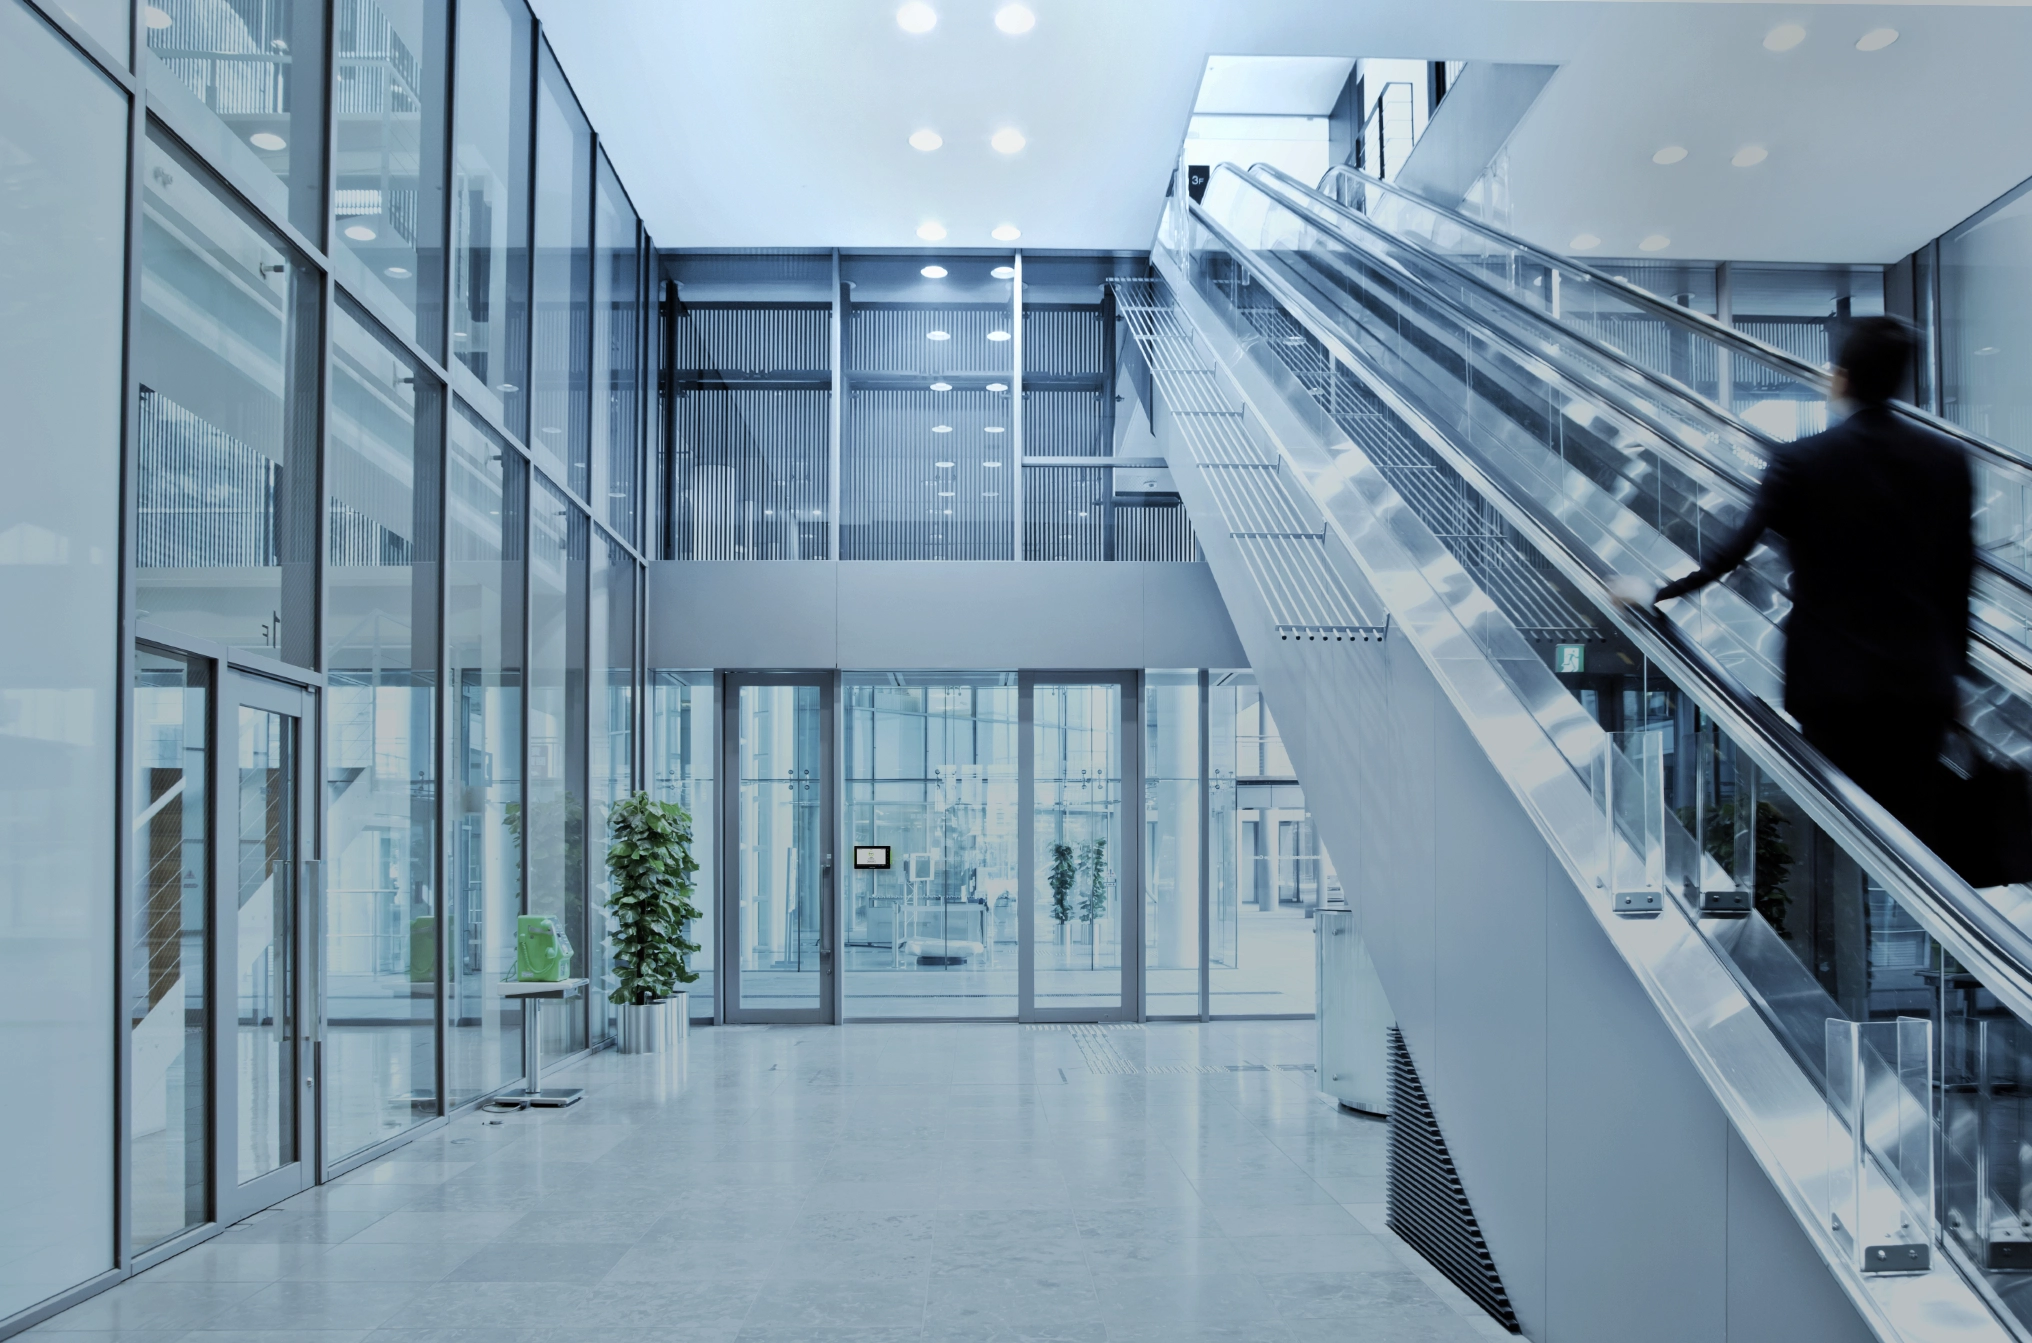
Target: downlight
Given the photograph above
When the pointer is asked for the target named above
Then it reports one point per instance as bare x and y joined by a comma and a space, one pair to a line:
1876, 39
1006, 233
267, 140
1015, 20
1669, 155
1749, 156
1656, 242
1008, 140
1784, 37
933, 272
931, 231
938, 335
998, 335
926, 141
361, 233
941, 387
1004, 272
941, 429
917, 17
998, 386
1583, 241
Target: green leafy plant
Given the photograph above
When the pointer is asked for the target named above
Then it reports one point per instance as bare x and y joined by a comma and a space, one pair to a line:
1064, 872
1773, 857
1095, 903
651, 864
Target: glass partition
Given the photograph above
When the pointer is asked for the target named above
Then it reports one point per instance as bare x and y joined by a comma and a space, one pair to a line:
611, 750
382, 567
490, 205
617, 355
1077, 848
553, 828
1171, 843
559, 374
683, 747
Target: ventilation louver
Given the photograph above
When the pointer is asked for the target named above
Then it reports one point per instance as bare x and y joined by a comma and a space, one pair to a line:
1428, 1206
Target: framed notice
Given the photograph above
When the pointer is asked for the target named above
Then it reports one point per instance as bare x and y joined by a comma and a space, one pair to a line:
871, 856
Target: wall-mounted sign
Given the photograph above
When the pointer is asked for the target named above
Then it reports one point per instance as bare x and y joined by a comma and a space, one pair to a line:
871, 855
1569, 659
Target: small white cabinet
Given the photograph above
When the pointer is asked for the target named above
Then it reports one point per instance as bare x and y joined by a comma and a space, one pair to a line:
1354, 1017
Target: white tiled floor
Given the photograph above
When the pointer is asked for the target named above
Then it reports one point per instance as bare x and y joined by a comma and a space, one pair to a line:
873, 1183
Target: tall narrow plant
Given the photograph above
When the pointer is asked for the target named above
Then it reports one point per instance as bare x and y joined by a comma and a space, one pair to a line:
1095, 902
651, 863
1064, 872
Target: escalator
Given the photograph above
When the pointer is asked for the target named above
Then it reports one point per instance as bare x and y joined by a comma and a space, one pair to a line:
1414, 482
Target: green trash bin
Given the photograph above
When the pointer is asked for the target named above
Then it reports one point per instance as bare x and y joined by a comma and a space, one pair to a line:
542, 952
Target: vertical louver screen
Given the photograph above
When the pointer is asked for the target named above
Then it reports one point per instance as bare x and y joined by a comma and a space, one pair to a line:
1428, 1206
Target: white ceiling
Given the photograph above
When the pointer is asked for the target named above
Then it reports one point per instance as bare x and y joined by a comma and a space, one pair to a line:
784, 123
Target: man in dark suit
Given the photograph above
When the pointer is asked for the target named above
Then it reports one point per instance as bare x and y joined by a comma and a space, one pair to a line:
1876, 516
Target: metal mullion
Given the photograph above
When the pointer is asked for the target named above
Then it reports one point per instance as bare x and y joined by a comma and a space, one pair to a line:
88, 46
225, 177
836, 419
1206, 777
1016, 397
1026, 843
441, 749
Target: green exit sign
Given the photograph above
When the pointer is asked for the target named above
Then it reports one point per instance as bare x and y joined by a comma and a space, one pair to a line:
1569, 659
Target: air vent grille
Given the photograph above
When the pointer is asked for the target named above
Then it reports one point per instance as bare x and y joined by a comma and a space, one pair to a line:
1428, 1205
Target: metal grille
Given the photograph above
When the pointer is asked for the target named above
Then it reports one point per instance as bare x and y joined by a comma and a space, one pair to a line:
1306, 597
1064, 424
748, 474
745, 340
896, 339
1428, 1204
897, 502
207, 500
1062, 339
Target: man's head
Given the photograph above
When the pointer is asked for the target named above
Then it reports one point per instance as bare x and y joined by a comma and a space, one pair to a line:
1875, 356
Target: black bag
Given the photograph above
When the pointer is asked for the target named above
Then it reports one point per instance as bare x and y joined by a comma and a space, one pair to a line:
1987, 819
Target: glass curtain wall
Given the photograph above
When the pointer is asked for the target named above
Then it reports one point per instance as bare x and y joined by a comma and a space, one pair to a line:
931, 774
611, 752
683, 746
490, 207
63, 139
382, 569
1076, 931
1986, 323
561, 284
617, 354
1171, 843
552, 827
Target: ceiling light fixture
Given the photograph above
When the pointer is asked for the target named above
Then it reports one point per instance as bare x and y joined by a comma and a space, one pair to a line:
917, 17
1006, 233
931, 230
1008, 140
1669, 155
1876, 39
933, 272
157, 19
360, 233
1749, 156
1582, 241
941, 429
998, 386
946, 494
926, 140
943, 466
1656, 242
1004, 272
938, 335
992, 429
991, 494
267, 140
1784, 37
941, 387
992, 466
998, 335
1015, 20
397, 272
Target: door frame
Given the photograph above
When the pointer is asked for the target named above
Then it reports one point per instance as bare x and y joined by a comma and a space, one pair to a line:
1128, 862
232, 1200
727, 981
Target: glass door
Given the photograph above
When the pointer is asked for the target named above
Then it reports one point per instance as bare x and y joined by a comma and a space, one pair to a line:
777, 893
1081, 785
264, 1098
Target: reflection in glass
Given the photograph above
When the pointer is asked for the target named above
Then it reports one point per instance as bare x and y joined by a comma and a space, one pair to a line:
617, 354
779, 885
1078, 856
258, 67
380, 926
389, 69
486, 488
555, 825
1171, 843
560, 409
107, 20
265, 959
931, 773
490, 205
682, 757
1986, 324
166, 922
228, 365
612, 748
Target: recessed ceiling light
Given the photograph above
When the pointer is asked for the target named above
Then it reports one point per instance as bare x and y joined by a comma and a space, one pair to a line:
998, 386
1082, 515
1004, 272
992, 429
991, 494
550, 429
506, 387
992, 466
925, 140
1008, 140
931, 230
1656, 242
1582, 241
946, 494
267, 140
948, 512
941, 429
943, 466
1987, 349
998, 335
941, 387
1006, 233
1876, 39
1749, 156
938, 335
155, 18
917, 17
933, 272
360, 233
1784, 37
397, 272
1015, 19
1669, 154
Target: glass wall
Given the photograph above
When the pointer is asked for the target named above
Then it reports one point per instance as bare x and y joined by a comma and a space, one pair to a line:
931, 772
560, 290
553, 826
611, 750
381, 653
391, 73
1077, 846
617, 354
490, 207
683, 759
227, 358
1171, 843
63, 140
1986, 322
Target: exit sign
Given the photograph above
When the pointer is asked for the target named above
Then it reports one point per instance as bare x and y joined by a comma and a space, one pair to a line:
1569, 659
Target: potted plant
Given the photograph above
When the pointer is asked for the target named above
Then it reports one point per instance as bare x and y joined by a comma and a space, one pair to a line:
1063, 874
1096, 902
651, 864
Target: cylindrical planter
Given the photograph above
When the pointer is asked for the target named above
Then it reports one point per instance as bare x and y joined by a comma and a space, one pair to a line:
653, 1028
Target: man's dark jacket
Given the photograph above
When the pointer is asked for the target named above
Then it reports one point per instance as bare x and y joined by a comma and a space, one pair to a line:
1876, 515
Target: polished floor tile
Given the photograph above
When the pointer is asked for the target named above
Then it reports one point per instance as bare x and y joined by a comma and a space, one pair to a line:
868, 1184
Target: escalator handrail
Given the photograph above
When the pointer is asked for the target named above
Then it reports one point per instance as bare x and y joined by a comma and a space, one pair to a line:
1699, 322
1994, 949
